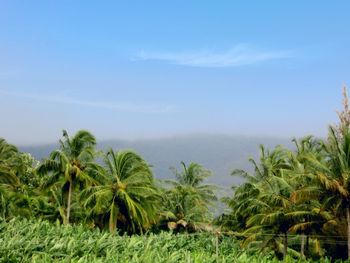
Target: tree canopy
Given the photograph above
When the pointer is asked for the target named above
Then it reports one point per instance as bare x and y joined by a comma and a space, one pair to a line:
294, 202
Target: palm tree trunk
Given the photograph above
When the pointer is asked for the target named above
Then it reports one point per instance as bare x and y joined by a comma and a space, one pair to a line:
69, 201
112, 224
307, 243
113, 219
302, 246
285, 243
348, 222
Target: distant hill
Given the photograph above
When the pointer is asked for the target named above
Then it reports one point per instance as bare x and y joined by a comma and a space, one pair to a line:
219, 153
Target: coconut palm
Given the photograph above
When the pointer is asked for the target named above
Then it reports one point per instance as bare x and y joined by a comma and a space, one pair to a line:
10, 163
333, 175
262, 204
189, 198
193, 176
310, 212
128, 194
275, 214
69, 166
13, 197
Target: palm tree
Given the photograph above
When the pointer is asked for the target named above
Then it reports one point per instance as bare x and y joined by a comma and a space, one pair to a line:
10, 163
10, 166
262, 203
68, 166
275, 215
128, 194
305, 194
333, 176
189, 198
14, 190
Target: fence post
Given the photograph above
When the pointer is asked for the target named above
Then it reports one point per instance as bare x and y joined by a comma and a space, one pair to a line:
217, 246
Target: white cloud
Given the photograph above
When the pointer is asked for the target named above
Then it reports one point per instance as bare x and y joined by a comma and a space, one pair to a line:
238, 56
121, 106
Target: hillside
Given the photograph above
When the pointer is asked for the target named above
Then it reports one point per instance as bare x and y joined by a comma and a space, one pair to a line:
219, 153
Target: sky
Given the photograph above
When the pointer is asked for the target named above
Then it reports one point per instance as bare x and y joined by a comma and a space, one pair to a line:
149, 69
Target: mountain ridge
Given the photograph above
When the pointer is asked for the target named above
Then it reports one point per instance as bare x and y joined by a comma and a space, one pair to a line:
219, 153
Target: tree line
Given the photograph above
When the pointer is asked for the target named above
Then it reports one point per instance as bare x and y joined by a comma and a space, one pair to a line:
113, 190
296, 201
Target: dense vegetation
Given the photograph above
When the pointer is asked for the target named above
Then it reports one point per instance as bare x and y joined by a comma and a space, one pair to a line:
300, 196
40, 241
295, 204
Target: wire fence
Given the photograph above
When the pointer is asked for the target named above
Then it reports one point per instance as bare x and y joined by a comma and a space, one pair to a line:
293, 239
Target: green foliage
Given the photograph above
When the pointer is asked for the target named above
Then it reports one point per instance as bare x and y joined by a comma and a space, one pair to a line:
127, 196
15, 168
295, 205
10, 164
72, 186
294, 194
68, 168
39, 241
187, 202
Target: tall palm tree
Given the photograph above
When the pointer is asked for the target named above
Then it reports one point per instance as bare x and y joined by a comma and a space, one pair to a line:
263, 201
189, 198
274, 215
14, 194
68, 166
333, 175
194, 176
128, 194
10, 163
305, 194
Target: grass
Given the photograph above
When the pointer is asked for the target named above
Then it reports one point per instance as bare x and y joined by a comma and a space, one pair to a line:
23, 240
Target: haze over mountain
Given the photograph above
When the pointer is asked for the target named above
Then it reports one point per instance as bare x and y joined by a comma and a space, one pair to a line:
219, 153
159, 68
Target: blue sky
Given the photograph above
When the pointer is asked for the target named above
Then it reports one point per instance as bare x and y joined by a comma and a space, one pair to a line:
139, 69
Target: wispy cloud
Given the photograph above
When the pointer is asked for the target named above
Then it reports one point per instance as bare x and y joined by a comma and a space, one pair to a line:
237, 56
121, 106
